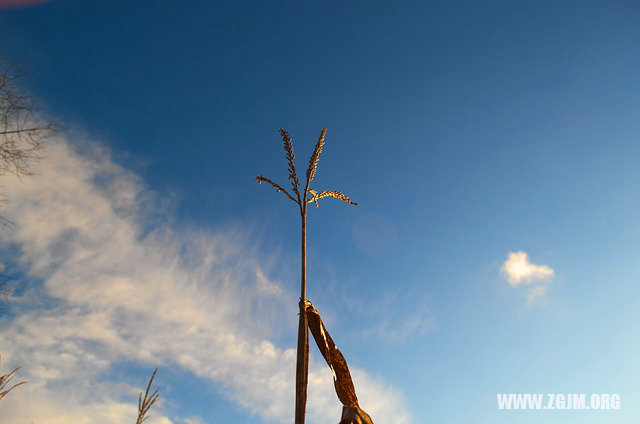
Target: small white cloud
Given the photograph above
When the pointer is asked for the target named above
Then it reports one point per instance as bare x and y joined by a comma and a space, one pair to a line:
518, 270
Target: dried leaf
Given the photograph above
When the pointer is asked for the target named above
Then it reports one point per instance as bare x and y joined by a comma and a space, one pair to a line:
354, 415
341, 376
351, 412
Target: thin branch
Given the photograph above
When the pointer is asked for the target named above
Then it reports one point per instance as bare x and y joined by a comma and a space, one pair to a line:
22, 135
5, 289
26, 130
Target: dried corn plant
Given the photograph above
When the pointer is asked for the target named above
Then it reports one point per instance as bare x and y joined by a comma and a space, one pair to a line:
5, 380
302, 198
145, 403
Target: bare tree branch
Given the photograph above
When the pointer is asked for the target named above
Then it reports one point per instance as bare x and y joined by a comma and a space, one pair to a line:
22, 137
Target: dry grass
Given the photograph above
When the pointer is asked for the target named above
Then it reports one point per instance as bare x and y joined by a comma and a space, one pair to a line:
5, 381
145, 403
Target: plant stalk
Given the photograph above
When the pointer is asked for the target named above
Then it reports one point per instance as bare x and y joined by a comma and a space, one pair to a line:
302, 358
302, 362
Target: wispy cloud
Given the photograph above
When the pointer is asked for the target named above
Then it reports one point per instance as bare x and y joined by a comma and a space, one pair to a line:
518, 270
117, 291
394, 319
536, 292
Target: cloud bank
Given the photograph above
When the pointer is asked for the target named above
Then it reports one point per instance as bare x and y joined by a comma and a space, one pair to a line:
115, 289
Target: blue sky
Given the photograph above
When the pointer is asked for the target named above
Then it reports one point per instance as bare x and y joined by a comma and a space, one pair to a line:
467, 131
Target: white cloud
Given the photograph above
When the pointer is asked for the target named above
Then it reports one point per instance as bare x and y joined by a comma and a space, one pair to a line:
113, 291
518, 270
